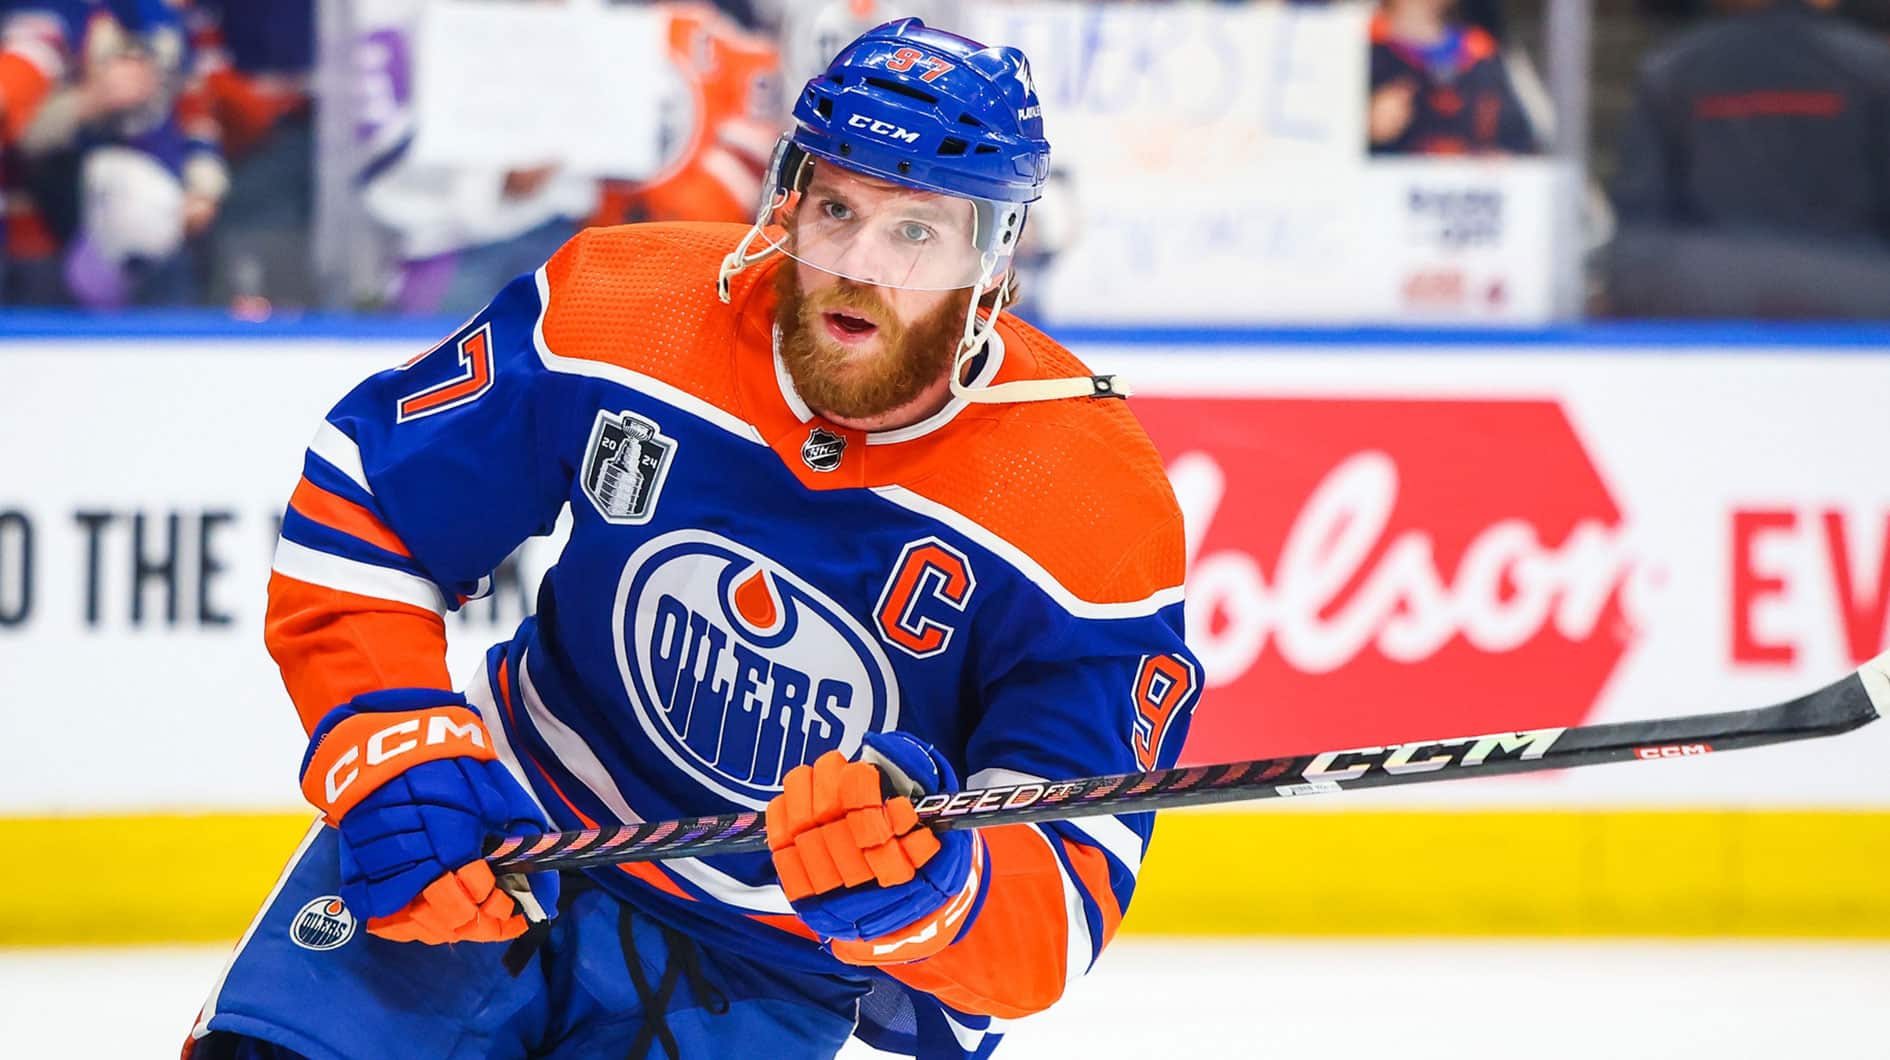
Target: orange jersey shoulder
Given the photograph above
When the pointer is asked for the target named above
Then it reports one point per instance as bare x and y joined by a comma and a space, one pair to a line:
1075, 484
642, 297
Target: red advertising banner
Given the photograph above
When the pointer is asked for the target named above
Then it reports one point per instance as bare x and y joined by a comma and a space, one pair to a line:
1369, 571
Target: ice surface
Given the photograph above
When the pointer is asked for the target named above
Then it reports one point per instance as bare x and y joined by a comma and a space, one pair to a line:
1415, 1000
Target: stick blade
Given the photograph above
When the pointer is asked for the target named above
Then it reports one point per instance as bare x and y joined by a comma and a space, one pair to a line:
1874, 678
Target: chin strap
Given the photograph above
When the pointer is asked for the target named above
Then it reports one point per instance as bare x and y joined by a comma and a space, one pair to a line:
739, 258
978, 331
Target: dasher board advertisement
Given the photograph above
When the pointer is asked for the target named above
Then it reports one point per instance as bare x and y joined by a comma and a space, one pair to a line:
1388, 544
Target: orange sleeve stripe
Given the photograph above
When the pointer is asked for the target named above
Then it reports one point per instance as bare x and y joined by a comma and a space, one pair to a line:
1011, 962
22, 87
333, 510
1092, 872
334, 645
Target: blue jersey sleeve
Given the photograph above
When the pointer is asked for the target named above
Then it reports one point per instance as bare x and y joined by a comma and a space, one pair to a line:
425, 477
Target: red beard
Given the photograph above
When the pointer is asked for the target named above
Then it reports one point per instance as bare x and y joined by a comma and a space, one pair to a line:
839, 383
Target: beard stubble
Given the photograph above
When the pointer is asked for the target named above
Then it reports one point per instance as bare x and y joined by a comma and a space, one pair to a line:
836, 382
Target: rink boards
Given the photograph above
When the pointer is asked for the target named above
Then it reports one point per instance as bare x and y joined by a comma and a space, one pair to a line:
1393, 536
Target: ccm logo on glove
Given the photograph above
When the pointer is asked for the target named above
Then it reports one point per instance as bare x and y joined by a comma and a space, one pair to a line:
382, 745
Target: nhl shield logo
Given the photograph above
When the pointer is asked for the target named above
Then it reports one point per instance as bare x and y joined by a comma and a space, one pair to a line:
322, 924
627, 461
823, 449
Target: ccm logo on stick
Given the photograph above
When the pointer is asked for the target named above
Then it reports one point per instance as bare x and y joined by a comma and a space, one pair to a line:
1430, 756
1673, 750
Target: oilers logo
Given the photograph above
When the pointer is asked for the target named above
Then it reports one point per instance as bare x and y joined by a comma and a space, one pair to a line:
738, 670
323, 924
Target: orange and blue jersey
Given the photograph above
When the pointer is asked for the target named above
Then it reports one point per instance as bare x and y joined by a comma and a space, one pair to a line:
747, 586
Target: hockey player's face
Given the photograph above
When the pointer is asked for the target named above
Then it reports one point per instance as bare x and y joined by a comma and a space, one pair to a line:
858, 349
857, 352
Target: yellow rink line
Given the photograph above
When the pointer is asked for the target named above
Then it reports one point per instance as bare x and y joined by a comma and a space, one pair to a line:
139, 879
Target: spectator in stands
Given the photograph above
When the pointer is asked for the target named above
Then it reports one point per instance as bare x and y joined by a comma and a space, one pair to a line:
113, 164
1755, 170
255, 61
1439, 86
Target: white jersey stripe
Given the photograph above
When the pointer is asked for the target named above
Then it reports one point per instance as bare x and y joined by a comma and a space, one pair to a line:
648, 386
352, 576
1080, 953
1113, 836
1106, 832
216, 990
340, 450
480, 694
572, 752
969, 1038
1026, 566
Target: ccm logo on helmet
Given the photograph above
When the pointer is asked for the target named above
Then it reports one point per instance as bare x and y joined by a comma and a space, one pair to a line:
883, 128
440, 729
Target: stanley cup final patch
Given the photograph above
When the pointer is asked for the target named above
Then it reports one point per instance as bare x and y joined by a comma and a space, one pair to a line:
624, 466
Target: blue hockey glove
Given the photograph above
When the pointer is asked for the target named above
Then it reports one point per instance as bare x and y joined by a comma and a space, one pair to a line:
410, 779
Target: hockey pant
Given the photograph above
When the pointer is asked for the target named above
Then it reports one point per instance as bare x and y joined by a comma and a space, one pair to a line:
600, 980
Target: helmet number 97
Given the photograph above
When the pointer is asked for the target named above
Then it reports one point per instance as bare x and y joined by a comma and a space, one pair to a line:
906, 58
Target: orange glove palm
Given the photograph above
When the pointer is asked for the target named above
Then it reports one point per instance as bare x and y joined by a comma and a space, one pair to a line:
831, 828
874, 884
465, 905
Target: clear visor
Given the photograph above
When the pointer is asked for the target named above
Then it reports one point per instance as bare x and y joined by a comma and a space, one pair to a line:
888, 235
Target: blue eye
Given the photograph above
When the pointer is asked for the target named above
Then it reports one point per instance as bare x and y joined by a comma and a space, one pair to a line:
913, 231
839, 211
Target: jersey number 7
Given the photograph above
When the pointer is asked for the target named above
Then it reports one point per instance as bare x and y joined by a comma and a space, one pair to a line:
473, 380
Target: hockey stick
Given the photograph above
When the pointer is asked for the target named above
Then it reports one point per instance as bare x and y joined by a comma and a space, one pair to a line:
1839, 708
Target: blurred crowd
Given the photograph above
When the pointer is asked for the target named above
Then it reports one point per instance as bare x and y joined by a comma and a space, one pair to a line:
1754, 169
1440, 84
126, 124
164, 152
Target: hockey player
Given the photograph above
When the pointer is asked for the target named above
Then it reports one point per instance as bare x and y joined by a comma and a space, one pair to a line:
842, 532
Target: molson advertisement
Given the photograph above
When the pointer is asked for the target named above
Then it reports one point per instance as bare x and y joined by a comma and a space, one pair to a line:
1389, 546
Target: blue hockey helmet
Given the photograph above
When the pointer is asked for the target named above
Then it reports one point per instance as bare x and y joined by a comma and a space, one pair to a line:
921, 109
919, 106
